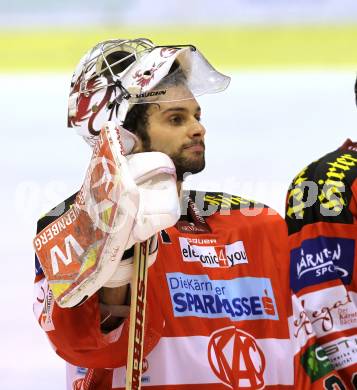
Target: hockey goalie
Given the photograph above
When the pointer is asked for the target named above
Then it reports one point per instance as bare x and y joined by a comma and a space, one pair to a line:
219, 312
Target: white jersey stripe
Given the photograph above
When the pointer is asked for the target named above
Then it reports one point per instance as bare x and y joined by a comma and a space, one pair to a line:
184, 360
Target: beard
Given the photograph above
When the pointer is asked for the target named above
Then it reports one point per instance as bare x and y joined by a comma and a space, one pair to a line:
188, 165
184, 165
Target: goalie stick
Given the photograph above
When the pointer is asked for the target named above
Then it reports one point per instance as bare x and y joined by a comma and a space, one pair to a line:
137, 316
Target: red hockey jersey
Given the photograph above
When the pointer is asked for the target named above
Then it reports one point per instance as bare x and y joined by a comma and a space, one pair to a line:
321, 217
219, 310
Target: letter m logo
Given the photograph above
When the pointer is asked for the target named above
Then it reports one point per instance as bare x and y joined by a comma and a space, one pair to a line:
56, 253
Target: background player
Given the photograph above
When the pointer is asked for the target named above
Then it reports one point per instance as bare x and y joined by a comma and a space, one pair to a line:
321, 217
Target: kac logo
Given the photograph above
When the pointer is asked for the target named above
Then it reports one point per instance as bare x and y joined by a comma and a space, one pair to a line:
236, 359
322, 259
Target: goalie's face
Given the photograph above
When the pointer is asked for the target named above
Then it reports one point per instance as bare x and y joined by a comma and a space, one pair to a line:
174, 128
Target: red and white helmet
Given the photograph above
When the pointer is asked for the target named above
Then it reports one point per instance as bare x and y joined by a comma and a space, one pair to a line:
117, 73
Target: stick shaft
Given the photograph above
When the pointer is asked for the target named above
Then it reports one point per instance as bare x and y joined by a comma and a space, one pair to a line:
137, 316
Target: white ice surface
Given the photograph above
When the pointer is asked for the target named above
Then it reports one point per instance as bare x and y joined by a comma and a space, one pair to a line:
260, 133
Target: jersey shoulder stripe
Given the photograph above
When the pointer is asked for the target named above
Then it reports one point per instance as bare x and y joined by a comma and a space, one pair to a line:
217, 201
322, 192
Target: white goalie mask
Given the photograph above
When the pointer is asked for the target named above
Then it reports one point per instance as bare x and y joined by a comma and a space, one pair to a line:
117, 74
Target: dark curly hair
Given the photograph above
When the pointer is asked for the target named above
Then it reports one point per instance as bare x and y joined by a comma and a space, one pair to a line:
136, 121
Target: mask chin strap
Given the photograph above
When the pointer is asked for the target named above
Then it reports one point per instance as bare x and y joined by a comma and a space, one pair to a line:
124, 93
121, 101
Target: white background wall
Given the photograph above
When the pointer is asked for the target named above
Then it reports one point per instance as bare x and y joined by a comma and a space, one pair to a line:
260, 133
42, 13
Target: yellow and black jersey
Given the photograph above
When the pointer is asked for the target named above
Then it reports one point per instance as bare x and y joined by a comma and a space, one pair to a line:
321, 218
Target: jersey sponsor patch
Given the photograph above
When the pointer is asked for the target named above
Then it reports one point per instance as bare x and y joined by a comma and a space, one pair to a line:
212, 255
321, 259
341, 352
238, 299
316, 363
325, 311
